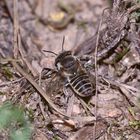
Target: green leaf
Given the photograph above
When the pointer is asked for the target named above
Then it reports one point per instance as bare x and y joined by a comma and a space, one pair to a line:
5, 118
18, 114
138, 1
13, 118
7, 72
5, 115
23, 133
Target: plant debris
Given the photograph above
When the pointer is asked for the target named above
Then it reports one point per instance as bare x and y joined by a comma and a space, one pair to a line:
106, 43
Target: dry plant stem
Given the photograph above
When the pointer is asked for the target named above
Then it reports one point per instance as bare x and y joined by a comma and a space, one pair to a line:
23, 55
42, 92
6, 60
119, 84
11, 82
16, 27
86, 107
18, 40
132, 9
40, 104
70, 103
130, 93
42, 108
96, 73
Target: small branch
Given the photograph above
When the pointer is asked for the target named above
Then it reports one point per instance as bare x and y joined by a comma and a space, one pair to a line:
96, 71
10, 83
23, 56
18, 39
35, 85
16, 27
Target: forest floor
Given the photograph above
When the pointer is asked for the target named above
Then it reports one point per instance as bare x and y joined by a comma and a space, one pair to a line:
103, 37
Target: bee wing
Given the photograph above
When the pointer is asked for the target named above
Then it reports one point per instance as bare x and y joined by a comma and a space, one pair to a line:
86, 47
53, 81
48, 73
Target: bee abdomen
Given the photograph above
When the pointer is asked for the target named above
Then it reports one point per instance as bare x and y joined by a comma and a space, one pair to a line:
81, 85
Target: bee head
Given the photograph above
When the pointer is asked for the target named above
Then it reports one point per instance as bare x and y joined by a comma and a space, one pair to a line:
65, 62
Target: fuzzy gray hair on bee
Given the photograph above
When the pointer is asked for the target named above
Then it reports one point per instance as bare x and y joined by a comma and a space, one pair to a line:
68, 66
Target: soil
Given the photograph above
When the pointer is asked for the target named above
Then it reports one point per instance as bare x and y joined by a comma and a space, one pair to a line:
103, 36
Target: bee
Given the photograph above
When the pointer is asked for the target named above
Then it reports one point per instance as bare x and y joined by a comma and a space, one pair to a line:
69, 67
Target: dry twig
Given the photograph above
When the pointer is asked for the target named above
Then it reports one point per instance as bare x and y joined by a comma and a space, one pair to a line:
35, 85
16, 28
96, 72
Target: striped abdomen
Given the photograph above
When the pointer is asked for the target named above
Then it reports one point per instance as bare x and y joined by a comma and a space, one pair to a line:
81, 85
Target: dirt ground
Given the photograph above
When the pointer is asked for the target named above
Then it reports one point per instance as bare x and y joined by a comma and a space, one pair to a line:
103, 36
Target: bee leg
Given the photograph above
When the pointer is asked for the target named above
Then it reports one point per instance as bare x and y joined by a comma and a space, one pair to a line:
87, 61
70, 98
65, 90
66, 83
47, 73
65, 93
90, 64
86, 107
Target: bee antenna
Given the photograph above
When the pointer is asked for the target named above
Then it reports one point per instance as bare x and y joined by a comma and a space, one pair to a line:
63, 41
50, 52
